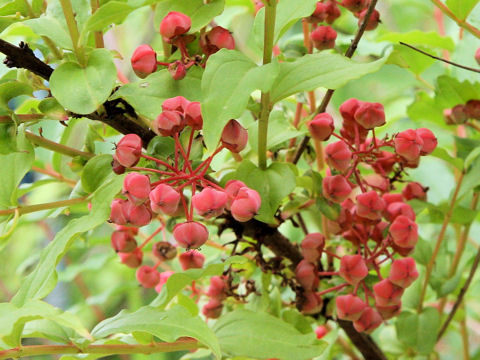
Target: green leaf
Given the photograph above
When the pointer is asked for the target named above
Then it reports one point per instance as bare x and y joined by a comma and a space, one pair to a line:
147, 95
52, 28
450, 92
418, 37
260, 335
11, 89
318, 70
43, 278
419, 331
8, 139
273, 184
52, 108
95, 172
442, 153
229, 79
461, 8
166, 325
113, 12
83, 90
200, 12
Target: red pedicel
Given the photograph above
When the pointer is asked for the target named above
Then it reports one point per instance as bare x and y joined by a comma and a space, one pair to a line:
168, 123
414, 190
144, 61
209, 202
190, 234
193, 115
307, 275
323, 37
191, 259
312, 247
386, 293
246, 204
349, 307
123, 241
174, 24
370, 205
353, 268
408, 144
136, 187
404, 232
147, 276
234, 136
164, 199
370, 115
429, 141
212, 309
321, 127
403, 272
369, 321
128, 150
338, 155
336, 188
132, 259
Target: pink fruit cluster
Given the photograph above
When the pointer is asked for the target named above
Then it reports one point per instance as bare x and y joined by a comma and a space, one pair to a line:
461, 113
158, 190
327, 11
174, 29
377, 222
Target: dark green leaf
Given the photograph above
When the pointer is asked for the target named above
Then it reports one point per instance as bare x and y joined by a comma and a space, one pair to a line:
96, 171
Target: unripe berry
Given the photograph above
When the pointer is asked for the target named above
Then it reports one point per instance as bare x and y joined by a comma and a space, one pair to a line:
246, 204
354, 5
353, 268
177, 70
132, 259
312, 303
373, 20
164, 199
321, 331
117, 215
193, 116
370, 115
429, 141
349, 307
338, 155
209, 202
123, 241
218, 288
477, 56
348, 109
408, 144
388, 312
136, 187
369, 321
414, 190
323, 37
321, 127
168, 123
147, 276
191, 259
336, 188
139, 215
144, 61
399, 208
403, 272
174, 24
404, 232
312, 247
231, 188
164, 251
177, 103
190, 234
216, 39
234, 136
386, 293
212, 309
128, 150
370, 205
307, 275
163, 280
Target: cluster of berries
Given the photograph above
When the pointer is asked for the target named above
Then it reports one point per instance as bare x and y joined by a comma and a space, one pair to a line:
174, 29
324, 36
461, 113
377, 223
162, 192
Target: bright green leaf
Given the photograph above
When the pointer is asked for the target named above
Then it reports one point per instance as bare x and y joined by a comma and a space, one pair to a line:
52, 28
461, 8
417, 37
96, 171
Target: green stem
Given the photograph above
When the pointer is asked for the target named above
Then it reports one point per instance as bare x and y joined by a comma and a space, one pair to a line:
106, 349
40, 207
269, 34
62, 149
98, 34
72, 29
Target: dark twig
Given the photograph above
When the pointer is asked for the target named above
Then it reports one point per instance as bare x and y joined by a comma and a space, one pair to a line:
23, 57
439, 58
328, 95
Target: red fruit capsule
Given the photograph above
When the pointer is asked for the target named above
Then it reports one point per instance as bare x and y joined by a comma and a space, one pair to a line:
336, 188
414, 190
429, 141
137, 215
349, 307
404, 232
323, 37
144, 61
212, 309
117, 215
408, 144
319, 14
128, 150
388, 312
307, 275
472, 108
321, 127
164, 199
216, 39
231, 188
370, 205
136, 187
353, 268
190, 234
373, 20
399, 208
164, 251
123, 241
163, 280
338, 155
370, 115
234, 136
332, 11
312, 247
177, 70
209, 202
177, 103
174, 24
147, 276
191, 259
312, 304
386, 293
348, 109
403, 272
132, 259
168, 123
218, 288
246, 204
193, 115
354, 5
391, 198
369, 321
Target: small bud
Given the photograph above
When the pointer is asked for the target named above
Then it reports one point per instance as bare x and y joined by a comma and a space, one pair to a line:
353, 268
307, 275
370, 115
177, 70
403, 272
312, 303
386, 293
336, 188
209, 202
193, 115
177, 103
354, 5
218, 288
136, 187
144, 61
312, 247
321, 127
323, 37
369, 321
372, 22
212, 309
246, 204
132, 259
234, 136
164, 251
338, 155
370, 205
163, 280
404, 232
231, 188
174, 24
414, 190
164, 199
117, 215
190, 234
128, 150
123, 241
147, 276
408, 144
321, 331
349, 307
191, 259
429, 141
216, 39
168, 123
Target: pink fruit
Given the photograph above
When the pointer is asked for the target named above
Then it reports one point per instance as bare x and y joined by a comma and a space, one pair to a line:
246, 204
312, 247
338, 155
403, 272
336, 188
312, 304
168, 123
231, 188
136, 187
190, 234
123, 241
177, 103
147, 276
414, 190
193, 115
132, 259
429, 141
349, 307
163, 280
164, 199
218, 288
321, 127
216, 39
128, 150
212, 309
144, 61
307, 275
370, 115
386, 293
408, 144
354, 5
174, 24
369, 321
323, 37
177, 70
404, 232
353, 268
234, 136
191, 259
373, 20
370, 205
209, 202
